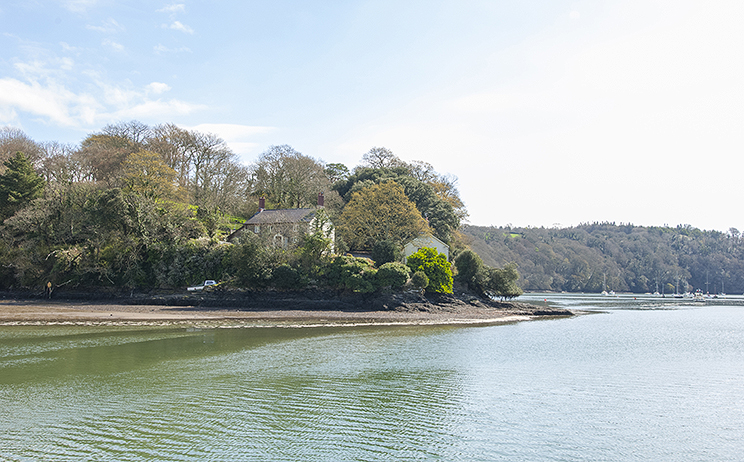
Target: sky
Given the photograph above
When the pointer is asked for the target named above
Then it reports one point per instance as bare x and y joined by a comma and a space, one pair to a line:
549, 113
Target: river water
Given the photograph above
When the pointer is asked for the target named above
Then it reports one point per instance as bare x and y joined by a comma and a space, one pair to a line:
637, 380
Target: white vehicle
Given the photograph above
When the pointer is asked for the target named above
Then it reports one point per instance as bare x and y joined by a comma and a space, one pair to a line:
203, 286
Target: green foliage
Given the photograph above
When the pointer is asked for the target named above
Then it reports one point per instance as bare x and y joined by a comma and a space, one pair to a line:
435, 266
380, 212
420, 280
351, 273
495, 282
313, 252
336, 172
393, 275
439, 211
252, 262
468, 263
624, 258
386, 251
286, 277
484, 280
19, 185
145, 173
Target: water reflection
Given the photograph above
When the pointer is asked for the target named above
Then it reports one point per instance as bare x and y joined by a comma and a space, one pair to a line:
622, 384
276, 394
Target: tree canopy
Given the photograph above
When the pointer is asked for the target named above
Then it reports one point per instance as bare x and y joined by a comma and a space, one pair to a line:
19, 185
440, 213
138, 206
606, 256
380, 212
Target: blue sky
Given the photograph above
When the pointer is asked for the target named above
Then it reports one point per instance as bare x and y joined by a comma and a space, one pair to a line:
548, 112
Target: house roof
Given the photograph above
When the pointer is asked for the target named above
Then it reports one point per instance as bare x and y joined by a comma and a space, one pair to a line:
426, 238
267, 217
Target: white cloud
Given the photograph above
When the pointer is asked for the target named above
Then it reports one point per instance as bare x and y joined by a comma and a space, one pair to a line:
157, 88
45, 67
109, 26
51, 101
69, 48
160, 48
78, 6
118, 47
173, 8
178, 25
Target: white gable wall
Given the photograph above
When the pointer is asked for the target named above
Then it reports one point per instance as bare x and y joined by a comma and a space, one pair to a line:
425, 241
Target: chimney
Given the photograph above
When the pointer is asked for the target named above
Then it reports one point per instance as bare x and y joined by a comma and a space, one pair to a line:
321, 199
261, 204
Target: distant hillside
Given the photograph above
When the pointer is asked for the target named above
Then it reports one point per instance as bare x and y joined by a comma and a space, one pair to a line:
627, 258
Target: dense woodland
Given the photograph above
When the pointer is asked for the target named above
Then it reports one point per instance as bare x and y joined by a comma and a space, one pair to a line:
627, 258
135, 207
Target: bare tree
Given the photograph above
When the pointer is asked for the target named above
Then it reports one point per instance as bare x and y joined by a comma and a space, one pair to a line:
288, 178
13, 140
381, 158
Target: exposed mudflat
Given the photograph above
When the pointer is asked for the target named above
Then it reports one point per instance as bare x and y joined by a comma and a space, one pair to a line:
268, 308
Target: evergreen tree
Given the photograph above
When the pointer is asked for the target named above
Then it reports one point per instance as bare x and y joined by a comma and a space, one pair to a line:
19, 185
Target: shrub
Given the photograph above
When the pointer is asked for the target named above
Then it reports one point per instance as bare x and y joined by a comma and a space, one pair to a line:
385, 251
351, 273
419, 280
394, 275
435, 266
286, 277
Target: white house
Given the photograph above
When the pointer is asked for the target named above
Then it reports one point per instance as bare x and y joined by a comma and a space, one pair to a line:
426, 240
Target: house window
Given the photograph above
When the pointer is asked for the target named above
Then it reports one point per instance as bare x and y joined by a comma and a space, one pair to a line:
256, 229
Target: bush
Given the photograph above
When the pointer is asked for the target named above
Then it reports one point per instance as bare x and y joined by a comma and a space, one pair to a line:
393, 275
435, 266
252, 263
386, 251
419, 280
286, 277
351, 273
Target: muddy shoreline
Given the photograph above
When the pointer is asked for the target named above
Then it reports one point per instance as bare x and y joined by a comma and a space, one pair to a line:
267, 309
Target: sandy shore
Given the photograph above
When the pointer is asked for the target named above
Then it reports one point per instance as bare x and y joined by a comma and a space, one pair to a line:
37, 312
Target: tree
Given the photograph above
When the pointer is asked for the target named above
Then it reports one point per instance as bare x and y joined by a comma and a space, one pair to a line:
145, 173
441, 215
380, 212
382, 158
336, 172
435, 266
287, 178
103, 155
19, 185
468, 263
495, 282
13, 140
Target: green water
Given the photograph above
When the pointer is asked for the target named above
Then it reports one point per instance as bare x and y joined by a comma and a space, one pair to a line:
626, 384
